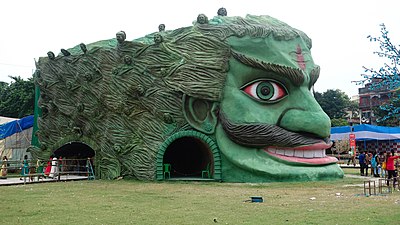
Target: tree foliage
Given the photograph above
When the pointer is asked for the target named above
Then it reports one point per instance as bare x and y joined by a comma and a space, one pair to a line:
339, 122
380, 114
17, 98
342, 146
388, 74
335, 103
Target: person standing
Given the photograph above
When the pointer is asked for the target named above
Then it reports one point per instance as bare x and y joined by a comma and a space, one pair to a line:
374, 165
4, 169
24, 167
382, 164
48, 167
54, 168
39, 169
60, 165
367, 162
352, 158
361, 161
391, 170
397, 166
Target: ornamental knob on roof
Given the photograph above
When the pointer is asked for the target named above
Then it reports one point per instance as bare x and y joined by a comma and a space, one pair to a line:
227, 98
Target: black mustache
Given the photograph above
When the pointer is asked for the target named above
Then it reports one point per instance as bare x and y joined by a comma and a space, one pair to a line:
263, 135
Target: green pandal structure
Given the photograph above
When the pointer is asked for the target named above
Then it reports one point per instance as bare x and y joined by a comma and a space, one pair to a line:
228, 99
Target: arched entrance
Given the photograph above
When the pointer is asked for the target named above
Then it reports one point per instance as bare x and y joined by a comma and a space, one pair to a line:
188, 157
77, 158
191, 155
75, 149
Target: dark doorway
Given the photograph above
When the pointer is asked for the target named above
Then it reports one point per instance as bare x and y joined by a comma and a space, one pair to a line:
77, 158
188, 157
75, 150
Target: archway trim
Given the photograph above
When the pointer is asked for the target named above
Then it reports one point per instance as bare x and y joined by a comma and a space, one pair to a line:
212, 146
72, 138
83, 140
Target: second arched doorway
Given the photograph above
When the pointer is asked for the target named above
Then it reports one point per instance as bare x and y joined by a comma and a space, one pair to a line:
189, 155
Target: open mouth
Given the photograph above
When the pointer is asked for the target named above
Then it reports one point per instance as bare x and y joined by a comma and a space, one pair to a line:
310, 154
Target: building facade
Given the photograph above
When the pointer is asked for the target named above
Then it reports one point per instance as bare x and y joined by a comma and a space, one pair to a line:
370, 98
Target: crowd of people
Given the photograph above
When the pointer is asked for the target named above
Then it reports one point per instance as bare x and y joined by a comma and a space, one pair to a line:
382, 164
50, 168
28, 169
40, 170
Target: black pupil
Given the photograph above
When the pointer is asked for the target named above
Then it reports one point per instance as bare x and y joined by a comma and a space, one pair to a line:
265, 90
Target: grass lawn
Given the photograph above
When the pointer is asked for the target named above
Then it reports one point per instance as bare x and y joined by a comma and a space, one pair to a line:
137, 202
353, 171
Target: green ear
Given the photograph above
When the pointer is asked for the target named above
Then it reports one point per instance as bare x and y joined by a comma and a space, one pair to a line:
200, 114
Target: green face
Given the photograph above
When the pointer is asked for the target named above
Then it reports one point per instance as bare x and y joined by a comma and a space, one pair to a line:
268, 88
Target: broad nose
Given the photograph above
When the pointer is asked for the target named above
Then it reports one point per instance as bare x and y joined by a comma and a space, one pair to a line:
306, 115
311, 119
301, 120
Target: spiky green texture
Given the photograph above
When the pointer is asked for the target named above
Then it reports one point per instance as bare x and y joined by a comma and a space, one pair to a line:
126, 111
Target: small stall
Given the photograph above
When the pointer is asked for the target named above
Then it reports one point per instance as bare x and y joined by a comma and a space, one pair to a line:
369, 137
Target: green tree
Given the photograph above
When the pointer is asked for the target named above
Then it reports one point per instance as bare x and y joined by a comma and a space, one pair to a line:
17, 98
341, 146
335, 103
381, 115
339, 122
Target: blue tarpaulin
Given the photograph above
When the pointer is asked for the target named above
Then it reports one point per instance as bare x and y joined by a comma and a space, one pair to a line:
15, 126
366, 132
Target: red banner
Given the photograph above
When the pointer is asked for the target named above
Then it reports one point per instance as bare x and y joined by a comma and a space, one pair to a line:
352, 138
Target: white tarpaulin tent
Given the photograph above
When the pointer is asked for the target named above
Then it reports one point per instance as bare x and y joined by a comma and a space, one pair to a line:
366, 132
15, 137
4, 120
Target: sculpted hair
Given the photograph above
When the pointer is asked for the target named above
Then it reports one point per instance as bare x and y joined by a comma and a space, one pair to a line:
125, 109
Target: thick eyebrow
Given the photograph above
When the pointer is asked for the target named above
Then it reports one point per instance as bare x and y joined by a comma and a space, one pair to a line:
295, 75
314, 75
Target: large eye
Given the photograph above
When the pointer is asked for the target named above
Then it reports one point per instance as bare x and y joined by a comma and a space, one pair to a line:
265, 90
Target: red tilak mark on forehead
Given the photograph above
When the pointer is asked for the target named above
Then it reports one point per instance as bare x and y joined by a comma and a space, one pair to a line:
300, 58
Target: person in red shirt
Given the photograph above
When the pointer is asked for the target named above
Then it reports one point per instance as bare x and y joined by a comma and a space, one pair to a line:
390, 167
48, 167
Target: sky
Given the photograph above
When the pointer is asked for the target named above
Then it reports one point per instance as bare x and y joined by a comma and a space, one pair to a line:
338, 29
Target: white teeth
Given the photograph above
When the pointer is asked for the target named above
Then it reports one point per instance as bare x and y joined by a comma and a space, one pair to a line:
319, 154
308, 154
299, 153
289, 152
280, 152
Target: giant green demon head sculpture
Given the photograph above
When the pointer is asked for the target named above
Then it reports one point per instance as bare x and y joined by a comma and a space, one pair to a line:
240, 86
